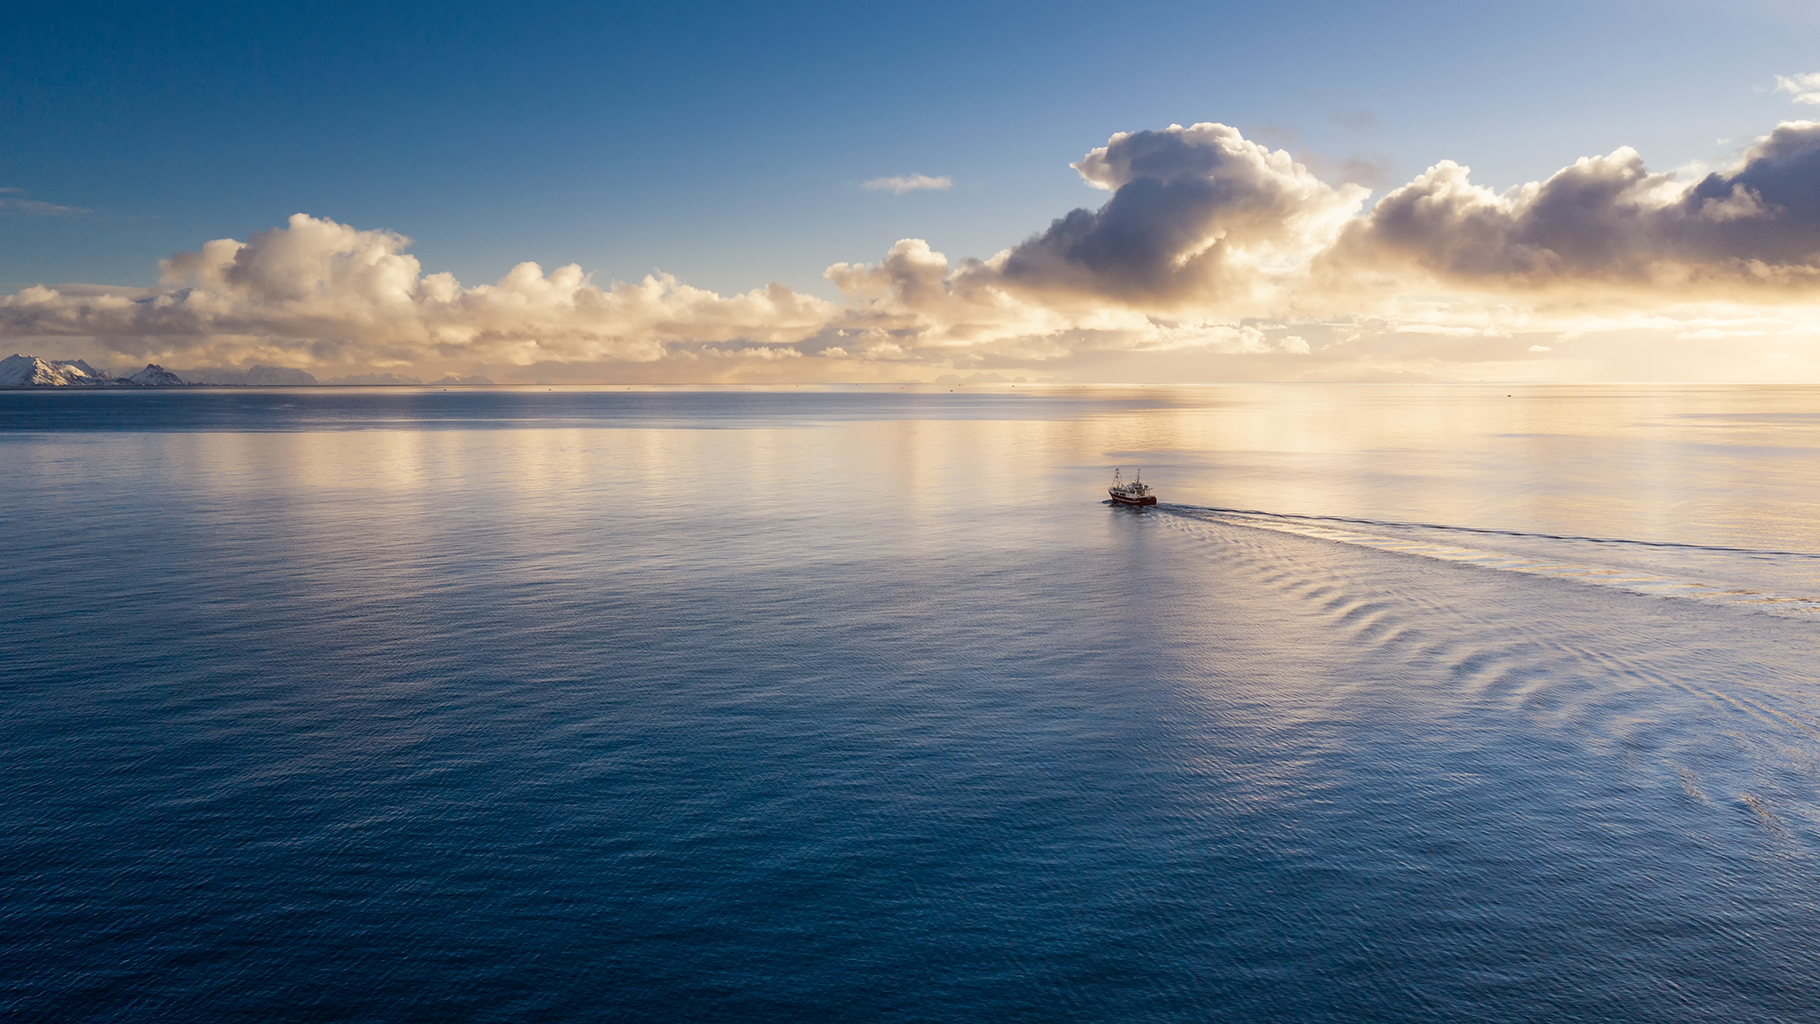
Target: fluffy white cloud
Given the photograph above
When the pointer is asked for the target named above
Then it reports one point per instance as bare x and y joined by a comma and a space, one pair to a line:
1212, 257
1805, 88
320, 293
1199, 217
909, 183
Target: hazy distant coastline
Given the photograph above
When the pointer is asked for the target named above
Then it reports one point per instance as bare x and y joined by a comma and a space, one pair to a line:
36, 372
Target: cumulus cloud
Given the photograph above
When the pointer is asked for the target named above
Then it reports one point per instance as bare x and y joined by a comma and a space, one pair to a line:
909, 183
1605, 222
1203, 230
1212, 255
321, 293
1198, 216
1213, 243
1805, 88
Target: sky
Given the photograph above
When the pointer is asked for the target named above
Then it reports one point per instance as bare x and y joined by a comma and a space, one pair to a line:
819, 191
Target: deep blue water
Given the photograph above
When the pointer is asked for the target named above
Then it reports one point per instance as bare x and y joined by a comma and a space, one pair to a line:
857, 704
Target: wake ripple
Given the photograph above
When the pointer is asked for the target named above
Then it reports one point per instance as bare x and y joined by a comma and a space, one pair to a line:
1488, 531
1362, 533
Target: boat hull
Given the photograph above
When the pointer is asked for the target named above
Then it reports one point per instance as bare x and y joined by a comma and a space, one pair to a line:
1120, 499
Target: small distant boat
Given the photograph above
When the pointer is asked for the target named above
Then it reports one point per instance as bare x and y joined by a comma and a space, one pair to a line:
1137, 492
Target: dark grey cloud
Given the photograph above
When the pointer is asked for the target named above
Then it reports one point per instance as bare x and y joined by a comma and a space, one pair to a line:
1607, 220
1772, 201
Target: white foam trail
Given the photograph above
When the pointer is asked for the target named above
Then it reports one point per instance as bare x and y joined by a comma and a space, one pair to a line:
1629, 580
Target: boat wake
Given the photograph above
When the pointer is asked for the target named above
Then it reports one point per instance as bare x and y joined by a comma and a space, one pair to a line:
1439, 542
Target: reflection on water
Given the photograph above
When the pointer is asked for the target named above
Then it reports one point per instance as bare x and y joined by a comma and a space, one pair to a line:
747, 704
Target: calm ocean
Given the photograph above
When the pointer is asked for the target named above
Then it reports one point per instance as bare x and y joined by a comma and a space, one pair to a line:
1432, 703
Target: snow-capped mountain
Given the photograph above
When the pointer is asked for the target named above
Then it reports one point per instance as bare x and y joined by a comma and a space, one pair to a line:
31, 371
154, 376
18, 370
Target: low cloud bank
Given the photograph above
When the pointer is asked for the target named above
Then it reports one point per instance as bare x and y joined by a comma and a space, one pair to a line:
319, 293
1213, 256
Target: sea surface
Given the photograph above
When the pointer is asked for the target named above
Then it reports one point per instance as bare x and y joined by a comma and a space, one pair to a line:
1408, 703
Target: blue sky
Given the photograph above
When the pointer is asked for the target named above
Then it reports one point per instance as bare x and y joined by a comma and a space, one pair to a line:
727, 143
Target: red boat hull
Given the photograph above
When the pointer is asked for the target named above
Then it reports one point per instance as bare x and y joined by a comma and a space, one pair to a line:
1148, 499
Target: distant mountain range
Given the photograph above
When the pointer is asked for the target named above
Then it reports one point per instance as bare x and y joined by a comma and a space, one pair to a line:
254, 376
32, 371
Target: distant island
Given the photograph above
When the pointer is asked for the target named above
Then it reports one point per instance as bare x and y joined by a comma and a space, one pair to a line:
18, 371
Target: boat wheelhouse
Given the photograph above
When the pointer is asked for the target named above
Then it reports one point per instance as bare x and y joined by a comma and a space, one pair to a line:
1137, 492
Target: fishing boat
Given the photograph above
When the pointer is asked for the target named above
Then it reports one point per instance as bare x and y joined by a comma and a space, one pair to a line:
1137, 492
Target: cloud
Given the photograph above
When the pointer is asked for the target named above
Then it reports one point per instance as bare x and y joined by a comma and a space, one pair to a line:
1603, 223
909, 183
1198, 216
317, 292
1211, 257
1805, 88
10, 202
